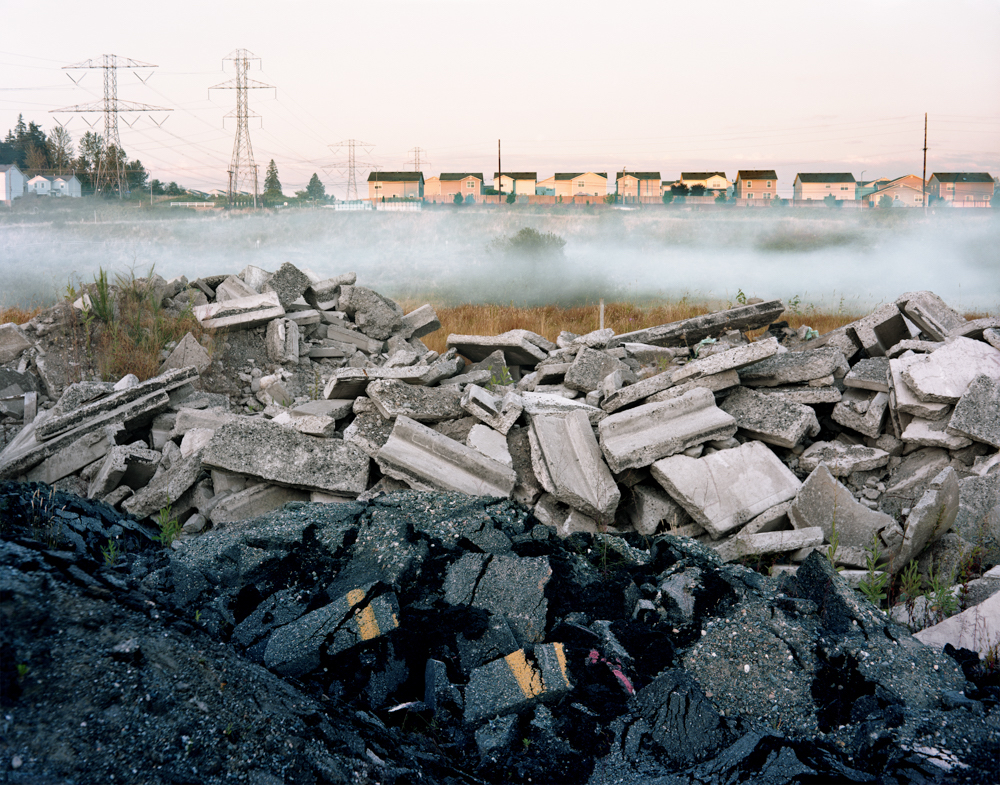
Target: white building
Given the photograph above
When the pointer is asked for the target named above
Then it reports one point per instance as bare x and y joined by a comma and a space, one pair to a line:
817, 186
55, 185
40, 185
11, 183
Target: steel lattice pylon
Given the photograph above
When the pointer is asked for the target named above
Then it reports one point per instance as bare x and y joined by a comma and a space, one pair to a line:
242, 169
111, 162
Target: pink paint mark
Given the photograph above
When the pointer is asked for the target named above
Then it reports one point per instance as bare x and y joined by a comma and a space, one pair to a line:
593, 656
624, 680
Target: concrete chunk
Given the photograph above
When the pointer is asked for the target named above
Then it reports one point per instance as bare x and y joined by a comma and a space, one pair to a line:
538, 404
729, 360
567, 461
906, 401
241, 314
977, 414
498, 413
794, 368
769, 419
977, 629
713, 383
637, 437
842, 459
309, 424
78, 453
880, 330
516, 345
423, 404
862, 411
132, 463
588, 370
166, 487
13, 342
341, 334
427, 461
930, 313
633, 393
233, 288
744, 545
932, 433
289, 283
689, 331
369, 432
376, 316
325, 295
421, 321
262, 449
944, 375
490, 443
871, 374
352, 382
650, 508
726, 489
929, 518
254, 501
187, 419
282, 341
188, 352
803, 393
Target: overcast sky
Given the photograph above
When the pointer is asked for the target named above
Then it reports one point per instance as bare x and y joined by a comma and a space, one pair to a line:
568, 86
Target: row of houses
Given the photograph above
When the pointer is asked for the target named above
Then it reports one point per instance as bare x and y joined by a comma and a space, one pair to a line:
762, 184
14, 184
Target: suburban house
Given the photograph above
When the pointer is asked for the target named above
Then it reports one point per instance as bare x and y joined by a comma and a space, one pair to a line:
817, 186
546, 187
905, 191
961, 186
432, 186
395, 185
756, 184
714, 183
635, 186
11, 183
465, 183
40, 185
517, 183
581, 184
865, 187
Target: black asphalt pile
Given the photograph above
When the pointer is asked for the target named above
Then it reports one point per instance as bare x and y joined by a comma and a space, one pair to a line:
428, 637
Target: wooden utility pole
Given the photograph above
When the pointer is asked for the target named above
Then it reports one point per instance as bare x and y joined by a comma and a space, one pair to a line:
499, 170
925, 164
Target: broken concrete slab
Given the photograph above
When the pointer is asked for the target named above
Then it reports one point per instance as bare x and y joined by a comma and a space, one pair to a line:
188, 352
977, 414
427, 460
992, 336
423, 404
803, 393
77, 454
508, 684
870, 374
318, 425
352, 382
166, 487
842, 459
862, 411
977, 629
916, 470
376, 316
588, 370
932, 433
944, 375
369, 431
729, 360
288, 282
519, 347
490, 443
650, 508
540, 404
241, 314
131, 464
929, 518
770, 419
825, 502
690, 331
745, 545
421, 321
633, 393
930, 313
254, 276
637, 437
340, 334
725, 490
880, 330
13, 341
252, 502
233, 288
304, 318
335, 409
278, 455
714, 383
186, 419
567, 461
325, 295
499, 413
282, 341
528, 488
906, 400
794, 368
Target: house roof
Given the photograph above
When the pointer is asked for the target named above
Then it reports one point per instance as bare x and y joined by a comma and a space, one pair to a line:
517, 175
825, 177
701, 175
574, 175
460, 175
48, 177
639, 175
396, 177
8, 167
963, 177
756, 174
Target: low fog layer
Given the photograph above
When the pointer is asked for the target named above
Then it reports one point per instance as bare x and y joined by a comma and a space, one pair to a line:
823, 258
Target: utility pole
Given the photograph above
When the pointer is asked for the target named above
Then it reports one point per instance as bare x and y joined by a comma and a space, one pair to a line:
416, 158
351, 164
499, 169
925, 165
242, 167
111, 162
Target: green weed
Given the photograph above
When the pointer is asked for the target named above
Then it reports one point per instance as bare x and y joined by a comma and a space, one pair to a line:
110, 553
873, 586
170, 527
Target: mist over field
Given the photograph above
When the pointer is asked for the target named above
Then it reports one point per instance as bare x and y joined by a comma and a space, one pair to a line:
823, 258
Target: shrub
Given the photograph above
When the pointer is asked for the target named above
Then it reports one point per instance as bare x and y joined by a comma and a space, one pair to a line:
529, 242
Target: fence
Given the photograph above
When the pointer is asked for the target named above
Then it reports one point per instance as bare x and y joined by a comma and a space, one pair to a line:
196, 205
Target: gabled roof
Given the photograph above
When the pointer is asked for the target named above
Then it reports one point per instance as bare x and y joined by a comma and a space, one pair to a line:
963, 177
825, 177
460, 175
639, 175
8, 167
574, 175
756, 174
701, 175
48, 177
396, 177
517, 175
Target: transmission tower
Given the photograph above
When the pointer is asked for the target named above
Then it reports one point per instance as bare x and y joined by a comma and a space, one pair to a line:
351, 165
242, 169
111, 162
417, 151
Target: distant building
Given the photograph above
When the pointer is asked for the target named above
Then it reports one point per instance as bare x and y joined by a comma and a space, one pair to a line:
518, 183
756, 184
546, 187
714, 183
581, 184
865, 187
39, 185
11, 183
465, 183
635, 186
961, 186
905, 191
395, 185
55, 185
819, 185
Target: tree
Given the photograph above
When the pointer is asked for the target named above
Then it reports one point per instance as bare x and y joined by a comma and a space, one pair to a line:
697, 190
458, 200
60, 145
272, 185
90, 151
511, 198
720, 197
316, 189
668, 197
157, 188
174, 190
679, 189
136, 175
885, 201
832, 201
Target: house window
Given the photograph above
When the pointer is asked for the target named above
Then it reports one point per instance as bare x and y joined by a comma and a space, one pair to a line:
767, 196
581, 184
749, 183
378, 187
749, 196
470, 184
769, 184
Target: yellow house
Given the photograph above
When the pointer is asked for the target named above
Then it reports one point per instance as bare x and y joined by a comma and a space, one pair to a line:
546, 187
714, 183
581, 184
395, 185
465, 183
432, 186
634, 186
817, 186
756, 184
518, 183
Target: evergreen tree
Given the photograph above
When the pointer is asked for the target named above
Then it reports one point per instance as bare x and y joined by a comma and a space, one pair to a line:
316, 189
272, 185
60, 145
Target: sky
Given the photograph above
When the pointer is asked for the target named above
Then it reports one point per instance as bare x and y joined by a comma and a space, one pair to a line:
713, 85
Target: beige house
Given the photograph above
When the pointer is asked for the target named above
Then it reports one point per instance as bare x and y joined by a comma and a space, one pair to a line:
546, 187
637, 186
817, 186
465, 183
395, 185
961, 186
581, 184
432, 186
900, 194
518, 183
756, 184
714, 183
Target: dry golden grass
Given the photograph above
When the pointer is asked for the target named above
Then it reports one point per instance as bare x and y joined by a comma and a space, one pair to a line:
550, 320
19, 315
